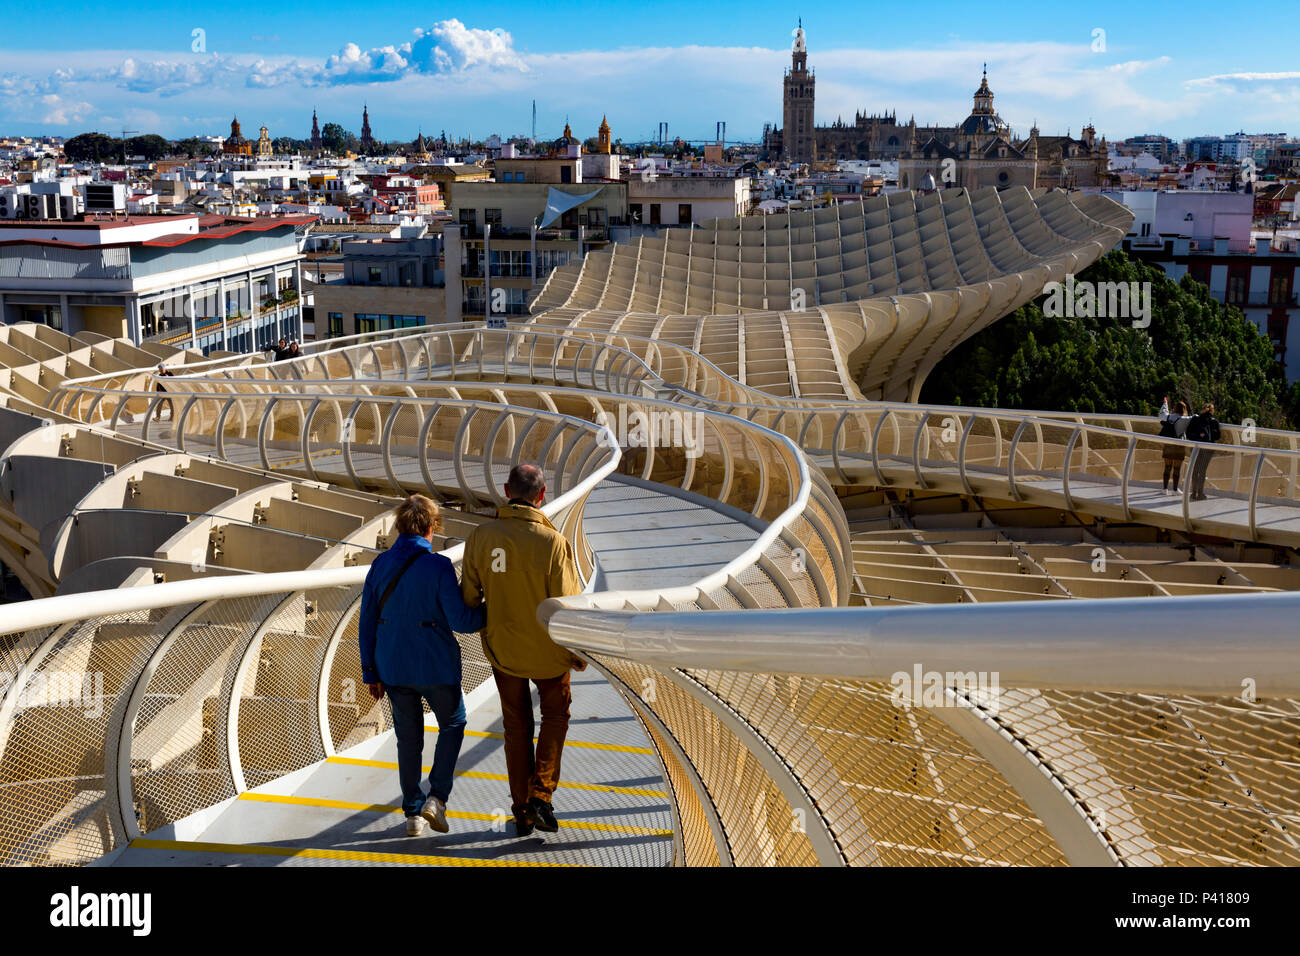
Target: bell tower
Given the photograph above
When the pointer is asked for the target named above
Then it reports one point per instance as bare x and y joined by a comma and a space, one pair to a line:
367, 141
798, 144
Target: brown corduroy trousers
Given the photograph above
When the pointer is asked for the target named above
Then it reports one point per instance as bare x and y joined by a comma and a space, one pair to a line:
533, 773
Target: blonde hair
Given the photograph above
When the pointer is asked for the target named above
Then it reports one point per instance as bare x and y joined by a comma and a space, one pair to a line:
418, 515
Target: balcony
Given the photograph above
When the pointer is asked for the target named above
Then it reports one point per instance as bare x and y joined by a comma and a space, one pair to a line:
512, 272
1258, 299
177, 334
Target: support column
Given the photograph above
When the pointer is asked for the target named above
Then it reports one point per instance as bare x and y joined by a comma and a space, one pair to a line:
189, 314
225, 333
252, 310
451, 284
279, 312
133, 330
487, 275
297, 302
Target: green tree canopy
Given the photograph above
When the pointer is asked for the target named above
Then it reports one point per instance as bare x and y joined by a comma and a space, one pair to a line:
1196, 350
336, 139
92, 147
151, 146
192, 147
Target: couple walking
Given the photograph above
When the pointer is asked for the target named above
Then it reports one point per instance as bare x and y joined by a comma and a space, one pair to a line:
411, 605
1203, 428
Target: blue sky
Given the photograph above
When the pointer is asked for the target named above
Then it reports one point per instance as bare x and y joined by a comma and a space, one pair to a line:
1178, 68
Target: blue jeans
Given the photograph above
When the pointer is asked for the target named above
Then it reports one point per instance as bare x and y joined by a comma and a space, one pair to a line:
448, 707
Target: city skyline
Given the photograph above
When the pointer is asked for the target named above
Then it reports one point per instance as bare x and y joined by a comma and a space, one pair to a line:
1128, 72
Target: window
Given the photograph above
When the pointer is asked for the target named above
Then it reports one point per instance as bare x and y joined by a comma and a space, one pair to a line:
335, 325
1146, 229
683, 214
375, 274
1279, 286
505, 301
474, 301
515, 263
372, 322
469, 219
491, 217
566, 174
654, 213
507, 177
550, 259
1237, 285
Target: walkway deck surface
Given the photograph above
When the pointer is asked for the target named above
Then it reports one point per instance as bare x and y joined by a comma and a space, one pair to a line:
612, 805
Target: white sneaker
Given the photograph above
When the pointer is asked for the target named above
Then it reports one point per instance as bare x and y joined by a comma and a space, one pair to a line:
435, 811
414, 826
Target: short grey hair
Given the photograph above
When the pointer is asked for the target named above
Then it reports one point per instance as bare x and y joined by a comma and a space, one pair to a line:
525, 481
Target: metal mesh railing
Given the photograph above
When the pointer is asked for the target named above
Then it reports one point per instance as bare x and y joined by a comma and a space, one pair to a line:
990, 743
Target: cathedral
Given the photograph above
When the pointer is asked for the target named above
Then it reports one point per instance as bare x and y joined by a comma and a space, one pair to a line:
981, 151
801, 141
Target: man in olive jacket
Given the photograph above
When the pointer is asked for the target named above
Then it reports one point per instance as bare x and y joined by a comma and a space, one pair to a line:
513, 564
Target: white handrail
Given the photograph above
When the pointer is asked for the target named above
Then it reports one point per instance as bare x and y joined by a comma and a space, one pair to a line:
62, 609
1120, 645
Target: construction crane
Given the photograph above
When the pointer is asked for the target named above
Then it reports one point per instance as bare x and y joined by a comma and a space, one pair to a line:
125, 132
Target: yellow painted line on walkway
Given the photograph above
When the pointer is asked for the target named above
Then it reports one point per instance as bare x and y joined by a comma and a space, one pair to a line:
314, 853
293, 462
568, 743
484, 775
457, 814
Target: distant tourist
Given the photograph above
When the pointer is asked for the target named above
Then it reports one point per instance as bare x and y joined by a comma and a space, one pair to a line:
1173, 425
281, 349
1204, 428
294, 350
513, 564
163, 371
411, 606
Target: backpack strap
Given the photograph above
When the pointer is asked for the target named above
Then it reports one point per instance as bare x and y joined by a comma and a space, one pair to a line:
392, 585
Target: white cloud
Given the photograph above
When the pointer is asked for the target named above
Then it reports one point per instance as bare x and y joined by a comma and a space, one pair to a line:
447, 47
1229, 80
61, 112
482, 83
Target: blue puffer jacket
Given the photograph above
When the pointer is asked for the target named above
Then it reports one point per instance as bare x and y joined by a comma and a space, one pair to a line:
412, 645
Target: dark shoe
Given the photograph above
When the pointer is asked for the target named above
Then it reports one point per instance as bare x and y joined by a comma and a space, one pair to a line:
524, 823
544, 816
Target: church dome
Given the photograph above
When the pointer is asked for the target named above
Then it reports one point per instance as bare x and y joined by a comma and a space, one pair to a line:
566, 140
979, 124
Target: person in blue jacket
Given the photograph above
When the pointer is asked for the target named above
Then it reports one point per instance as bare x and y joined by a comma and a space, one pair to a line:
411, 607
